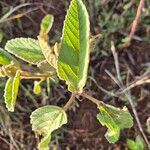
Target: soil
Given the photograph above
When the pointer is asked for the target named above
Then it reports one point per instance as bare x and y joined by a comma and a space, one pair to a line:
84, 130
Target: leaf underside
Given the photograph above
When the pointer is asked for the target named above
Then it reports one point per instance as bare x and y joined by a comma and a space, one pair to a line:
73, 58
11, 91
45, 120
27, 49
47, 52
114, 119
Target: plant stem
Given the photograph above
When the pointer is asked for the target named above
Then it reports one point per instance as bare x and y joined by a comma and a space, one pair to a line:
94, 100
73, 96
27, 75
70, 101
10, 70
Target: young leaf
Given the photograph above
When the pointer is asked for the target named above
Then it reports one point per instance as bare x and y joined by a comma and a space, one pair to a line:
138, 144
47, 52
27, 49
114, 119
46, 24
37, 87
11, 91
45, 120
131, 144
6, 58
44, 143
72, 64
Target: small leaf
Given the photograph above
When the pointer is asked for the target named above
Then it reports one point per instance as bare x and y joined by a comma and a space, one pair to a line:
47, 52
45, 120
131, 144
114, 119
44, 143
11, 91
73, 60
6, 58
46, 24
37, 87
138, 144
25, 48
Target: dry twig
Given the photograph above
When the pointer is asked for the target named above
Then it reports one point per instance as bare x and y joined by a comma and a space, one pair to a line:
134, 25
119, 82
136, 20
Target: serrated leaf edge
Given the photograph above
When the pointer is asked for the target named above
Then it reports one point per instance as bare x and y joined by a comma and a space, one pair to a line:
13, 97
12, 52
70, 87
5, 94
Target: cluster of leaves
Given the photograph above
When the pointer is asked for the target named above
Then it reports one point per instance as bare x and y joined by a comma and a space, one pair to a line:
69, 60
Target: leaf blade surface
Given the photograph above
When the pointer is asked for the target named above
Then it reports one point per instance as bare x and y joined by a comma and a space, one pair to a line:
73, 58
27, 49
114, 119
45, 120
11, 91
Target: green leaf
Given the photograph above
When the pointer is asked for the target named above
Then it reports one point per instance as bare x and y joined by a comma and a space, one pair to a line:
11, 91
27, 49
45, 120
138, 144
131, 144
6, 58
44, 143
47, 52
37, 87
72, 64
114, 119
46, 24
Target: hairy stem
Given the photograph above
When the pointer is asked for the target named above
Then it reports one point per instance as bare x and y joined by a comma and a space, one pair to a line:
27, 75
10, 70
94, 100
70, 102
